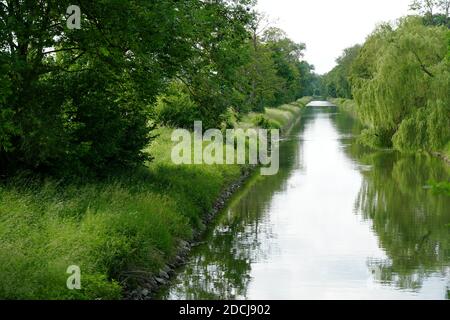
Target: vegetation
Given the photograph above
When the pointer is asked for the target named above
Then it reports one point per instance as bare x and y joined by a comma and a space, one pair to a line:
400, 81
275, 118
85, 172
85, 147
118, 231
80, 102
407, 210
337, 82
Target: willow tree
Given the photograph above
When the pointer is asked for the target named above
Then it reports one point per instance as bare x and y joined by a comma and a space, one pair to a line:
401, 82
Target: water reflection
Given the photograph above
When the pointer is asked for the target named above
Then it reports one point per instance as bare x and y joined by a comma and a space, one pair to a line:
410, 222
339, 221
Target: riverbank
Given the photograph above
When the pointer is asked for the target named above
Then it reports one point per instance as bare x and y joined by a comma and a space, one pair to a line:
126, 233
349, 106
283, 118
290, 236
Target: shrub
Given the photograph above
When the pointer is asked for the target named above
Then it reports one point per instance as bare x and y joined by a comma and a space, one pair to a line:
263, 122
176, 109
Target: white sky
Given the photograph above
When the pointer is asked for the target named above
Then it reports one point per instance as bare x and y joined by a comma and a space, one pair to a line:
329, 26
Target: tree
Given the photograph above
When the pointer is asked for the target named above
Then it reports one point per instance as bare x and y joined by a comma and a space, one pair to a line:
79, 99
435, 12
219, 41
337, 81
400, 82
286, 55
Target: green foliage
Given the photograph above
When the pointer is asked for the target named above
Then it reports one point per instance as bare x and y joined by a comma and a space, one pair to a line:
400, 79
235, 70
176, 109
400, 83
117, 231
286, 55
77, 100
229, 119
337, 82
426, 129
440, 187
310, 82
263, 80
302, 102
261, 121
435, 12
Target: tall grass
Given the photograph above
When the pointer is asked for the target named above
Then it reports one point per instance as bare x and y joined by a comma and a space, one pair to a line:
112, 229
275, 118
118, 231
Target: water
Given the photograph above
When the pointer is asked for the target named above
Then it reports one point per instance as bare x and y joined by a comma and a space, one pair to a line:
338, 222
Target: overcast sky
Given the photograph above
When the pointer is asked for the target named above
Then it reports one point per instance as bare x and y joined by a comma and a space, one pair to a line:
329, 26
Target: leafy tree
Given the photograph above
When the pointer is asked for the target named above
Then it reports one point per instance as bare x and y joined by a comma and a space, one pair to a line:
286, 55
310, 82
79, 98
219, 41
337, 81
401, 80
264, 82
435, 12
82, 99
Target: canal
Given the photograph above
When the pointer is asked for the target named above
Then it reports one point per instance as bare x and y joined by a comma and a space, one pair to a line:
339, 221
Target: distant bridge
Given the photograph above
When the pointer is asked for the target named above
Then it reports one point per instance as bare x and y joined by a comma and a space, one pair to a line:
320, 103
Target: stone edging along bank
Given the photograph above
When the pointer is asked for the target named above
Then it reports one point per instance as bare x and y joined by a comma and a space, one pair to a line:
155, 283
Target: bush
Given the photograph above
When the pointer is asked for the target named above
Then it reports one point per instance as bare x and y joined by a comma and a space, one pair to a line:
376, 138
263, 122
176, 109
229, 119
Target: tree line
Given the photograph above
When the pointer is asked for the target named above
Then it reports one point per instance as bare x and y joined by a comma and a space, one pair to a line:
400, 80
87, 101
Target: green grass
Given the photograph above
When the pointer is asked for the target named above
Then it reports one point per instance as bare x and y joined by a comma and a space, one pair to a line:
110, 229
275, 118
119, 230
302, 102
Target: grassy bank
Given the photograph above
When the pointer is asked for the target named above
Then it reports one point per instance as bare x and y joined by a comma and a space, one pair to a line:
350, 107
275, 118
118, 231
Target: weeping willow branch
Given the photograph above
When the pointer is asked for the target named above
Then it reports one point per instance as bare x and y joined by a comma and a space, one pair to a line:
422, 65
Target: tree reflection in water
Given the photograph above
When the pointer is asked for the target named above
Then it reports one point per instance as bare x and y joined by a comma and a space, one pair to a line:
220, 268
410, 221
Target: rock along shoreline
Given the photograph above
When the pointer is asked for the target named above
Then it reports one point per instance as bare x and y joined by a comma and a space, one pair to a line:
154, 283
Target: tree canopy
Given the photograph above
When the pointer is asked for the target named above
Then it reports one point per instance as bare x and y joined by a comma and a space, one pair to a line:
84, 99
400, 79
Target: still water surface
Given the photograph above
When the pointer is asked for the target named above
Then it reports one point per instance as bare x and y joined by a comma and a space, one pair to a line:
339, 221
